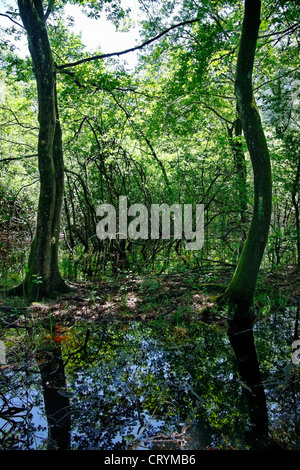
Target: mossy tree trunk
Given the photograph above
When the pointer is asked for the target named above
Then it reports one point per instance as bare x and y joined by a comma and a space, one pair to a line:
295, 201
240, 291
43, 275
235, 139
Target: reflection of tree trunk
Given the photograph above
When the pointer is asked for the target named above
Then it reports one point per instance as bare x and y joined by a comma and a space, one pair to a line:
57, 406
241, 338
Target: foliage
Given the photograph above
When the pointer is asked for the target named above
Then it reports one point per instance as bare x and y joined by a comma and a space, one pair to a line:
167, 131
161, 134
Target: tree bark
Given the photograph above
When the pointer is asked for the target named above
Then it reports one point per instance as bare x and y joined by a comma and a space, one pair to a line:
295, 201
240, 291
43, 275
235, 135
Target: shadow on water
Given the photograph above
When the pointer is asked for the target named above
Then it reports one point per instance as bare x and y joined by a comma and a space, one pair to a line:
154, 385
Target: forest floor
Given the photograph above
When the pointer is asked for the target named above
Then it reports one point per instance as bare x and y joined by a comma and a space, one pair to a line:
179, 296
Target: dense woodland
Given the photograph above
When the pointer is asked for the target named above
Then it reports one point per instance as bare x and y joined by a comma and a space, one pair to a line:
167, 132
208, 115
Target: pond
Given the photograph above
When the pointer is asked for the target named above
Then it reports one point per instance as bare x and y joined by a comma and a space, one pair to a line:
138, 386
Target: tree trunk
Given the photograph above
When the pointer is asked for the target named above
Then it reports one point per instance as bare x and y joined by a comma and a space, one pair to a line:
235, 135
295, 201
43, 275
240, 291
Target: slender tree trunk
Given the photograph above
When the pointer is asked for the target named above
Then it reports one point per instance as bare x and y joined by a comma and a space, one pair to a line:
240, 291
235, 135
295, 201
43, 275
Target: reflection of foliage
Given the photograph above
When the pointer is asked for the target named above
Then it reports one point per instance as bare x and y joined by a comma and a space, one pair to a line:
280, 375
138, 385
20, 404
150, 380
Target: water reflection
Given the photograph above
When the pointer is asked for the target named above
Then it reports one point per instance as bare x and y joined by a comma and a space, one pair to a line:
56, 400
241, 337
152, 386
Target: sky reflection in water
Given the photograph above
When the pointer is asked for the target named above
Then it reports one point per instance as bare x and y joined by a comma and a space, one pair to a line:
151, 386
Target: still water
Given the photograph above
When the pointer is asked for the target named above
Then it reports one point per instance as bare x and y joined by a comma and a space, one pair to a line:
141, 386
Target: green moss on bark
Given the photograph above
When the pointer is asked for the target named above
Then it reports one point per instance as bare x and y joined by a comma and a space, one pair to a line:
240, 292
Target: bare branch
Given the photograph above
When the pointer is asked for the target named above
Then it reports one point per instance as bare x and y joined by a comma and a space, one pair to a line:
9, 17
132, 49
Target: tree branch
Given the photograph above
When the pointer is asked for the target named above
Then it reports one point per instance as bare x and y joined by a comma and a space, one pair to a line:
223, 118
49, 9
132, 49
10, 159
7, 16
